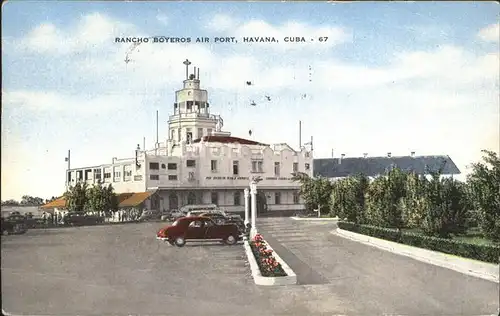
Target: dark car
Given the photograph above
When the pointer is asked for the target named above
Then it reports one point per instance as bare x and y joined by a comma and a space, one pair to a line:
12, 225
77, 219
221, 218
198, 228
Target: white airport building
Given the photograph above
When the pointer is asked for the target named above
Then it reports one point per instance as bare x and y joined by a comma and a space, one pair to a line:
201, 164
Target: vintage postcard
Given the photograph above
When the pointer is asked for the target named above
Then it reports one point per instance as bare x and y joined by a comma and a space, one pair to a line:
250, 158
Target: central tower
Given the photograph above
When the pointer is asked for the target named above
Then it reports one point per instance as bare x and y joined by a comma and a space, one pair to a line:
191, 119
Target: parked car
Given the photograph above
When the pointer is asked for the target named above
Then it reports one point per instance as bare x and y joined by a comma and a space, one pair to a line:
78, 219
148, 215
198, 207
175, 214
10, 226
220, 218
198, 228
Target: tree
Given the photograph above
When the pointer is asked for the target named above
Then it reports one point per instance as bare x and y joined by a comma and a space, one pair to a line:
315, 191
484, 189
10, 202
76, 197
30, 200
384, 199
100, 198
348, 198
447, 206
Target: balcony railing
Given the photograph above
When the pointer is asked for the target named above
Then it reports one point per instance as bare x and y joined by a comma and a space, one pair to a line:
192, 115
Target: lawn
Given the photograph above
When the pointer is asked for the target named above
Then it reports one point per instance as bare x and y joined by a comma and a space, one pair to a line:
473, 236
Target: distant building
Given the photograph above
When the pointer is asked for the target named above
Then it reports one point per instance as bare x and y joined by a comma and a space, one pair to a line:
22, 209
199, 163
337, 168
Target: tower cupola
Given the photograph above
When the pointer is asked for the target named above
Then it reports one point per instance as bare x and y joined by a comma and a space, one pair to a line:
191, 118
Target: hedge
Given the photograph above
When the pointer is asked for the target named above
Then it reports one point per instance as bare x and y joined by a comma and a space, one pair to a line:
486, 253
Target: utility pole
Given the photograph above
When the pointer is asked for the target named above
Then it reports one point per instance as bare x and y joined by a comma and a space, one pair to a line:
68, 160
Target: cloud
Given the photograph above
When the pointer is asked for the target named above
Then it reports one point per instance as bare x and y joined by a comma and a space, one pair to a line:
92, 32
220, 22
490, 33
162, 18
41, 101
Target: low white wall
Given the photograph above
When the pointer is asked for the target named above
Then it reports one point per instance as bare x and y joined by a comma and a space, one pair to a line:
484, 270
291, 277
314, 218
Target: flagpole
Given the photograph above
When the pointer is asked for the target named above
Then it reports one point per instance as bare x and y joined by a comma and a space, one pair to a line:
68, 160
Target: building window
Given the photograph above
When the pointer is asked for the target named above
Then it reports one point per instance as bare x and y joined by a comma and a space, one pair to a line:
189, 105
172, 134
107, 175
154, 177
277, 198
257, 165
172, 166
209, 131
163, 166
128, 173
200, 132
296, 198
189, 137
178, 134
79, 175
236, 168
154, 166
191, 163
191, 198
69, 176
237, 198
97, 174
172, 177
117, 174
307, 166
213, 165
295, 167
87, 172
276, 168
215, 198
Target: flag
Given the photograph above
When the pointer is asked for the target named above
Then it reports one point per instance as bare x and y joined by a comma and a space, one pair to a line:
66, 159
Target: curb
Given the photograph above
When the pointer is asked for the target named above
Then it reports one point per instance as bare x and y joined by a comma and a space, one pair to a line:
314, 218
479, 269
290, 279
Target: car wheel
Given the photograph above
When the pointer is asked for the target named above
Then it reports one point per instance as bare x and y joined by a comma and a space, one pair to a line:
180, 241
230, 240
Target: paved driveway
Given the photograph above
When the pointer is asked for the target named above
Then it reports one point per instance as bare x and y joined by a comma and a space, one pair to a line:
373, 281
124, 270
121, 269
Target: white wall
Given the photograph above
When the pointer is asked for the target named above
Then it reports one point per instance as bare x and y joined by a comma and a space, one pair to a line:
225, 154
133, 183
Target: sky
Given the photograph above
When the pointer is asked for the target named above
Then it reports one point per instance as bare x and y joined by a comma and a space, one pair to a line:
391, 77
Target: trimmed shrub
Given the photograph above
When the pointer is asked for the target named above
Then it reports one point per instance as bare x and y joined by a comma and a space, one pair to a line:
486, 253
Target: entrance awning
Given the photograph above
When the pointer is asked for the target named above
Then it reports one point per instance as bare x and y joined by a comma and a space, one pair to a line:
124, 200
135, 199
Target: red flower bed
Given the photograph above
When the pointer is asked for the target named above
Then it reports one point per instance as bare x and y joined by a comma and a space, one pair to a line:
268, 265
